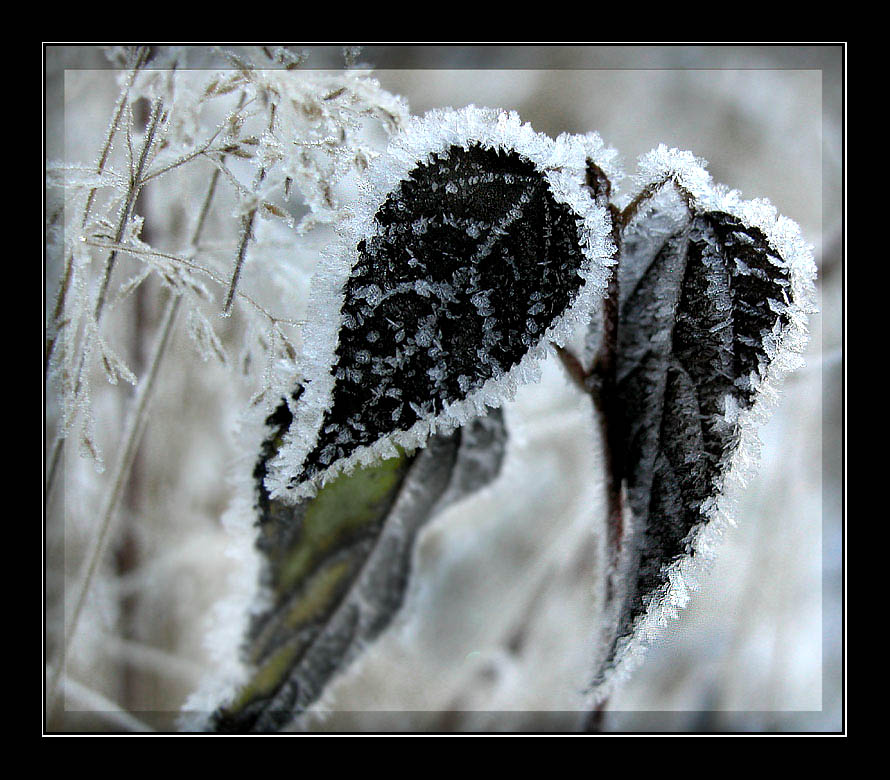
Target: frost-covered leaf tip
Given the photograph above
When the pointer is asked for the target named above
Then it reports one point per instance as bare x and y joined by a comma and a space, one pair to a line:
474, 246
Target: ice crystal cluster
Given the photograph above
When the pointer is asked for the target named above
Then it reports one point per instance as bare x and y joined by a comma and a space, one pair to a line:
269, 142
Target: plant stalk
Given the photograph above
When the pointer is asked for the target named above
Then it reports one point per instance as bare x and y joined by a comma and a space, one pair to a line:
132, 438
126, 213
140, 58
246, 231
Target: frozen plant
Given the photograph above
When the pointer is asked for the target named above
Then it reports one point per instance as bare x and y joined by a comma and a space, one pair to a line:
466, 251
243, 152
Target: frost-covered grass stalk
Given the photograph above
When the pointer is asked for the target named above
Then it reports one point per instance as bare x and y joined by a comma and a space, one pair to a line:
243, 159
331, 319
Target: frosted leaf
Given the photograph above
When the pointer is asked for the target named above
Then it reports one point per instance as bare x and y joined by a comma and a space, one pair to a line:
336, 567
468, 215
701, 342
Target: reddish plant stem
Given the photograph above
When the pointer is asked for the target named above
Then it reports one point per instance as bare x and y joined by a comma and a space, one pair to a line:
603, 385
594, 721
600, 383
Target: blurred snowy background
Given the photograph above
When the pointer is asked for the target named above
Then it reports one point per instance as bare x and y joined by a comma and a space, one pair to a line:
498, 632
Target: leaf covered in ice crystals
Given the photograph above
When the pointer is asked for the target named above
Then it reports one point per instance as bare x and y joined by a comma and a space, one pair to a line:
711, 311
336, 567
474, 257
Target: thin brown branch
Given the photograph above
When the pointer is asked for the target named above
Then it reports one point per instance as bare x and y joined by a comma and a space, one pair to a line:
204, 149
246, 233
127, 211
644, 197
573, 366
147, 252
